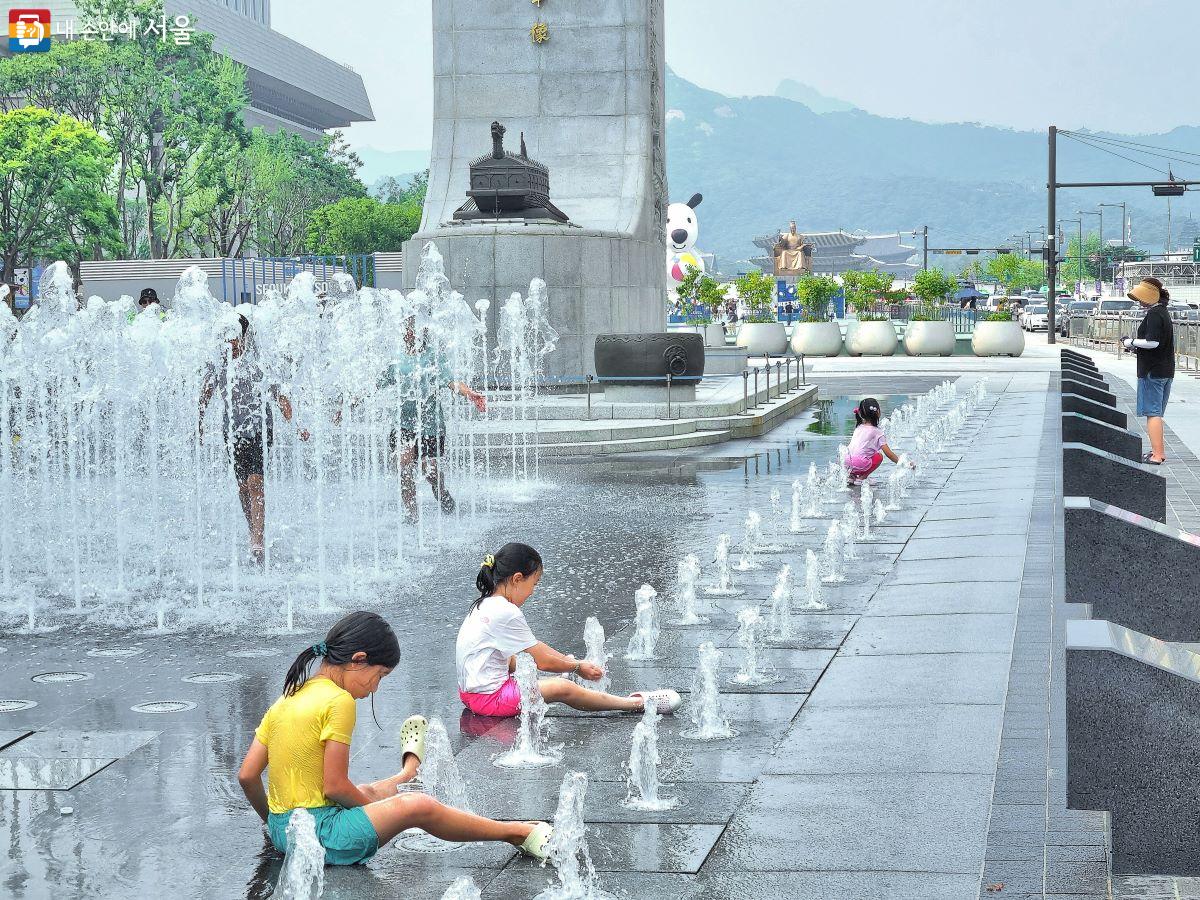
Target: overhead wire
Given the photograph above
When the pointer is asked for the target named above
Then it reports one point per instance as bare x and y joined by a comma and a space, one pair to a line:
1103, 149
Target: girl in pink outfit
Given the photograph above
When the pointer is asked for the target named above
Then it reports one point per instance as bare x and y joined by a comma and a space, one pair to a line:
868, 444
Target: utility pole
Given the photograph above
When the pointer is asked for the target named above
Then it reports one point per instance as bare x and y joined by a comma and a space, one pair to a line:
1052, 235
925, 249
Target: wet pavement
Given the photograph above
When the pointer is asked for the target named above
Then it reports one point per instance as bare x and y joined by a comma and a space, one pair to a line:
868, 769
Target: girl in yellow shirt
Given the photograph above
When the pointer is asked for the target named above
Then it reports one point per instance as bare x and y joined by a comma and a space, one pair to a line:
303, 743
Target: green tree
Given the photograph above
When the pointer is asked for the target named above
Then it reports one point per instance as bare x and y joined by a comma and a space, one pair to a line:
932, 287
292, 178
701, 294
53, 174
757, 290
1074, 268
1014, 272
864, 289
814, 293
390, 190
361, 225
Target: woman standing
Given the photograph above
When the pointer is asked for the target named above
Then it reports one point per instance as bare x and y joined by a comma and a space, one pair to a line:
1155, 349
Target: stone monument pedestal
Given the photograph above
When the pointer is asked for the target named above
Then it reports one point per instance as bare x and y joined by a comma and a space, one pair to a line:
594, 279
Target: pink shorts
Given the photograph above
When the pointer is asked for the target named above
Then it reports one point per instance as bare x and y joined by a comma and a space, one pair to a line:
504, 702
861, 466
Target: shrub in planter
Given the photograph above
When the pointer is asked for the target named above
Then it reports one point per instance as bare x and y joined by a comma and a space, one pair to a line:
814, 334
865, 291
927, 334
997, 333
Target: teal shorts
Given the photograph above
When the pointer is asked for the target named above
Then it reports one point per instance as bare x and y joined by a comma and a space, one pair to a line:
346, 834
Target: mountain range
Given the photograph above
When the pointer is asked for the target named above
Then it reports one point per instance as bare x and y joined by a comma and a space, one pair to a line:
761, 161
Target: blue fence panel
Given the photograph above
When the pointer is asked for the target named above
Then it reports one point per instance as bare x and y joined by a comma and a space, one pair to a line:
246, 279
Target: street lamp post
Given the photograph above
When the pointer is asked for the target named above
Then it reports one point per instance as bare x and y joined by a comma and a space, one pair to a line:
1124, 230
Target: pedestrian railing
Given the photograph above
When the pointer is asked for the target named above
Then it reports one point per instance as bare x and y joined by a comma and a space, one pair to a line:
1106, 331
771, 379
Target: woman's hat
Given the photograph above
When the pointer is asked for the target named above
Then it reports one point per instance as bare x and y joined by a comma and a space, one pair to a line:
1145, 292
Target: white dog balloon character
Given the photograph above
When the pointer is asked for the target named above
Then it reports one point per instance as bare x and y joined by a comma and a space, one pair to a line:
683, 227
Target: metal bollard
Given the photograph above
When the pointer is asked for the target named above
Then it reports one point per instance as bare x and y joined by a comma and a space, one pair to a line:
745, 390
668, 395
803, 373
589, 397
778, 383
756, 387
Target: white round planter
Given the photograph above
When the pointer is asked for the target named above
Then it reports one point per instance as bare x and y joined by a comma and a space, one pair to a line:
816, 339
998, 339
714, 335
760, 338
929, 339
871, 339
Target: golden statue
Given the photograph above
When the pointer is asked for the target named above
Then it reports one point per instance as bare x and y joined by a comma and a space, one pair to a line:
793, 254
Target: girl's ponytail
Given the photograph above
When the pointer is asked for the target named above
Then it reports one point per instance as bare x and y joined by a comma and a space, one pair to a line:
499, 567
355, 632
298, 673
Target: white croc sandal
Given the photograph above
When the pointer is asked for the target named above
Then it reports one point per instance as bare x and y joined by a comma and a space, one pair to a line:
665, 700
537, 844
412, 738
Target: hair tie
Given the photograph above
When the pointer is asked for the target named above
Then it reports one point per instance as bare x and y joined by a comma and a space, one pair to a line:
489, 561
320, 649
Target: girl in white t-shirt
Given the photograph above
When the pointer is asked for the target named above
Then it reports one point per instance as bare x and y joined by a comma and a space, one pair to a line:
495, 631
868, 444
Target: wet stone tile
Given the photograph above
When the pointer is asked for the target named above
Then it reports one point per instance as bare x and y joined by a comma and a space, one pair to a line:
32, 773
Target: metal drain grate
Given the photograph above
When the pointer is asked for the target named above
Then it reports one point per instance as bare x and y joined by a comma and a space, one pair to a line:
426, 843
114, 652
16, 705
61, 677
164, 706
212, 678
252, 653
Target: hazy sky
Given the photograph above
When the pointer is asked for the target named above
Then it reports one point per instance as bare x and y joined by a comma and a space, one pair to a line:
1119, 65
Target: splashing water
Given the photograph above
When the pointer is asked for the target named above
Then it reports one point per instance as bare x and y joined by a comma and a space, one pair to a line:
593, 642
795, 523
530, 750
880, 512
704, 705
751, 542
812, 490
832, 563
831, 486
779, 620
568, 846
643, 766
843, 469
750, 639
776, 519
687, 574
462, 889
303, 873
849, 527
812, 583
645, 629
893, 490
439, 772
867, 508
724, 583
124, 504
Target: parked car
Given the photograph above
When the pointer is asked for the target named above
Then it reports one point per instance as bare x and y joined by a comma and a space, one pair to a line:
1114, 306
1033, 318
1066, 310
